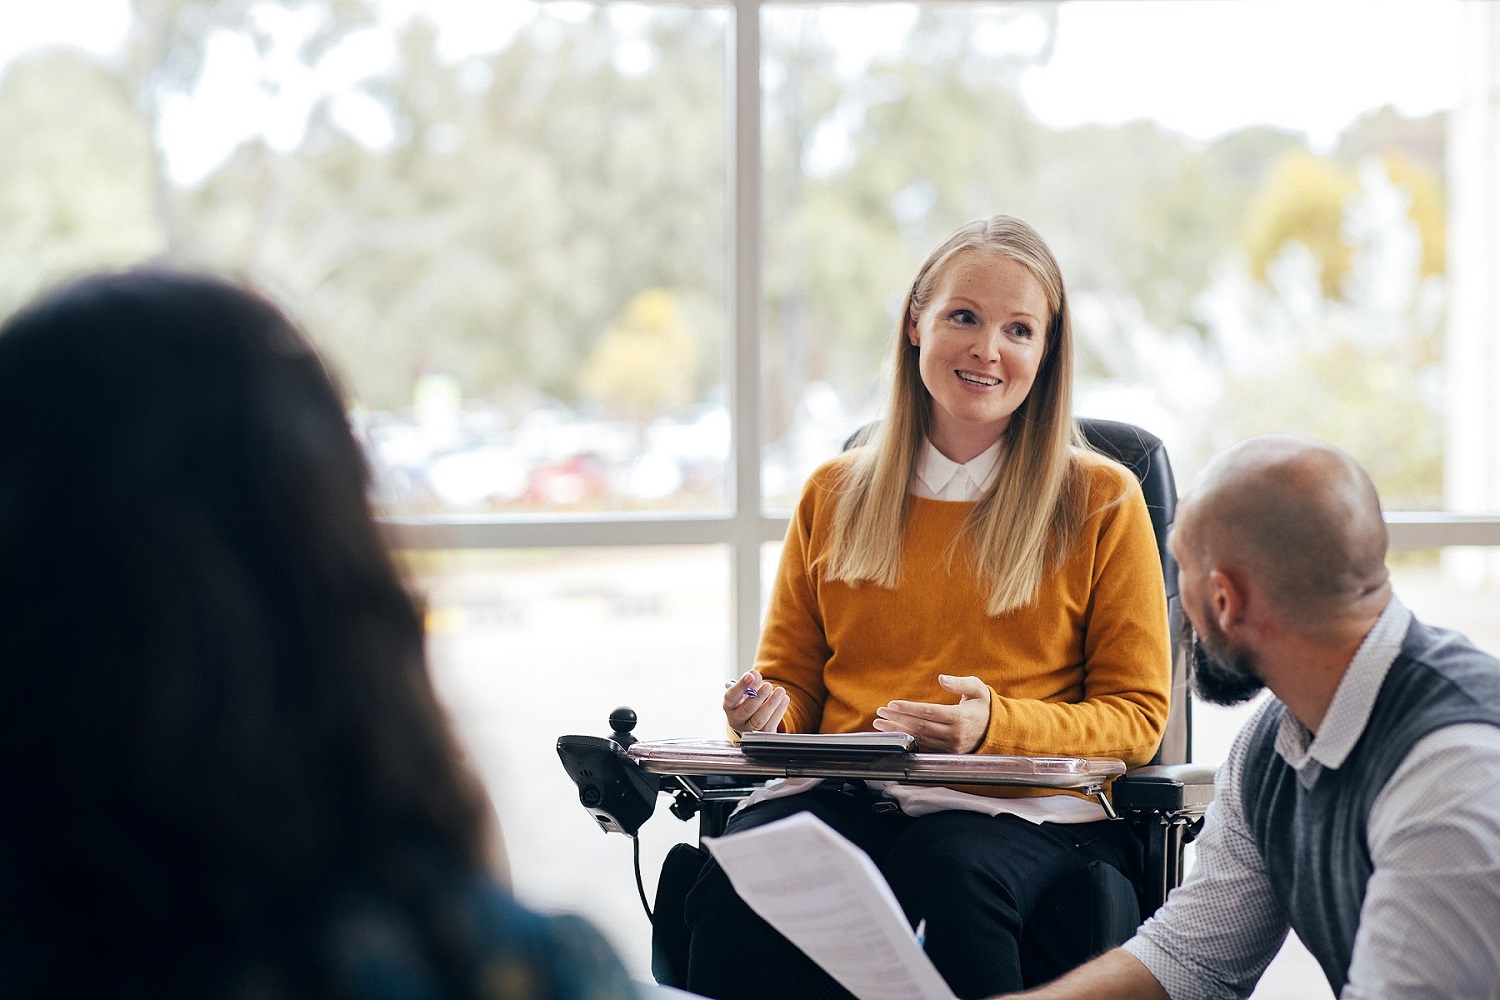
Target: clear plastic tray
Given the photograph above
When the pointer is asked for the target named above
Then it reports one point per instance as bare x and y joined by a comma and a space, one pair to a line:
693, 756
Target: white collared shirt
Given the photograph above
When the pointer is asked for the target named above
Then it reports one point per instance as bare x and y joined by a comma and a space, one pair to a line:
1431, 907
938, 477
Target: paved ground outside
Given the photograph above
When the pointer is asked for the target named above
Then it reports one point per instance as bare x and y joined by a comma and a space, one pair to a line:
528, 646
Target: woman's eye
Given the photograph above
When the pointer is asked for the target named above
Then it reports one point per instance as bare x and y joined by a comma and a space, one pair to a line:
1021, 330
962, 316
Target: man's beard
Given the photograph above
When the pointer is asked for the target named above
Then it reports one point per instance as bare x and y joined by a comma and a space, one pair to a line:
1221, 674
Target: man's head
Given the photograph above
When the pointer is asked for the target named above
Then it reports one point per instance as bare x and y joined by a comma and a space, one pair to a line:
1278, 535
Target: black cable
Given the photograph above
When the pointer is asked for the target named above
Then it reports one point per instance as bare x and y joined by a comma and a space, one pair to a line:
639, 885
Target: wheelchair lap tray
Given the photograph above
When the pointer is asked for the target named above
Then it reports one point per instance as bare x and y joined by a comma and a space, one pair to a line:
758, 744
813, 758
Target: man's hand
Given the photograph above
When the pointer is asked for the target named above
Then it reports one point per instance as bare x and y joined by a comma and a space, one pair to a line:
942, 728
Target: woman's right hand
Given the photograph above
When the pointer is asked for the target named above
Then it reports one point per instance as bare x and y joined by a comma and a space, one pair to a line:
752, 703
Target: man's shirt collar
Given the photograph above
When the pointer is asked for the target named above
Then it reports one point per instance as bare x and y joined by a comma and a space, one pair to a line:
1343, 724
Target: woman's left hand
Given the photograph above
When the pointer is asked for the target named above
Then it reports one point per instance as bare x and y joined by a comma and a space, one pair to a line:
942, 728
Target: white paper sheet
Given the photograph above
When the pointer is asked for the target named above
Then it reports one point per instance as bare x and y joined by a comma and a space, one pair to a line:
827, 897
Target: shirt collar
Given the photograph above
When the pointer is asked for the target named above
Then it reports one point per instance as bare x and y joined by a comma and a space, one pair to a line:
1347, 714
937, 471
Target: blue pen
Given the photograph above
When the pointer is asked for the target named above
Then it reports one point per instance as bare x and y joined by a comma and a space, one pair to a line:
922, 933
748, 694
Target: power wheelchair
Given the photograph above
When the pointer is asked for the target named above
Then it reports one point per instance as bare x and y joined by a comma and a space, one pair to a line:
620, 779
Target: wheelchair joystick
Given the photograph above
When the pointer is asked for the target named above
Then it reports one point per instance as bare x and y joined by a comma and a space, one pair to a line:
622, 721
615, 790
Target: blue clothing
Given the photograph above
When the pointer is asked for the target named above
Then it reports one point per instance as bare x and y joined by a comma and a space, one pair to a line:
513, 953
422, 930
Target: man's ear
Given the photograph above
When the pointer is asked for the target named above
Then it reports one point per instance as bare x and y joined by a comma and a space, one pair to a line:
1227, 600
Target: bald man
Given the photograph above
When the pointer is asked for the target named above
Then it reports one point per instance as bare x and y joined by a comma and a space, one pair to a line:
1361, 805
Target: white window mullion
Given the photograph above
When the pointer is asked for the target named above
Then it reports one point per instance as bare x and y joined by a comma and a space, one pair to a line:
745, 365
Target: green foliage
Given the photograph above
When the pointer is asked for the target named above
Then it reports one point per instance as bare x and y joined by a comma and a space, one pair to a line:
519, 210
538, 202
1368, 398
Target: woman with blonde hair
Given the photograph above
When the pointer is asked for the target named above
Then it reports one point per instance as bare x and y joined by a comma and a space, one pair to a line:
973, 575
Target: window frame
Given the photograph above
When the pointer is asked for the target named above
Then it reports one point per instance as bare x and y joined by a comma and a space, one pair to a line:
746, 525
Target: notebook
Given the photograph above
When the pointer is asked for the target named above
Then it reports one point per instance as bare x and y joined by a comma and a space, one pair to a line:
826, 744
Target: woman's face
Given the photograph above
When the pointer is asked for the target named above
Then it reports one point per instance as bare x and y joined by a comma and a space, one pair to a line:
980, 341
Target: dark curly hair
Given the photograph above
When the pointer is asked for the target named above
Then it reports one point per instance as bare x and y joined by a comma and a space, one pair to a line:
215, 712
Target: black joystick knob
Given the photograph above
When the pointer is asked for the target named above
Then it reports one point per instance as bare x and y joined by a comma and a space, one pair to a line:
622, 720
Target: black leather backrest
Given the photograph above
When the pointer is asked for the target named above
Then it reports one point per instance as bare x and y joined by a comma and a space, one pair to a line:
1143, 454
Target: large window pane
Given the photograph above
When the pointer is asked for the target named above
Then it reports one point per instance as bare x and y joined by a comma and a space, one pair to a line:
529, 645
1247, 201
503, 222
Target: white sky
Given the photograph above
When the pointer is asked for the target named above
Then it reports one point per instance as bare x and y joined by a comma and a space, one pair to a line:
1203, 67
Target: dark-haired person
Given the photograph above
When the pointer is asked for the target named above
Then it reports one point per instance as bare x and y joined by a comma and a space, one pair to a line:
1361, 805
223, 771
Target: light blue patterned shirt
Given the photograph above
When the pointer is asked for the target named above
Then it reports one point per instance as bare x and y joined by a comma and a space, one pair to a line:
1430, 923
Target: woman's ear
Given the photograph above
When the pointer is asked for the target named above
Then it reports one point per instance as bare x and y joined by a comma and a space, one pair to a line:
912, 336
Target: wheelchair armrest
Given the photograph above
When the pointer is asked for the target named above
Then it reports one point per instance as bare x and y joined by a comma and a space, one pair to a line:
1167, 788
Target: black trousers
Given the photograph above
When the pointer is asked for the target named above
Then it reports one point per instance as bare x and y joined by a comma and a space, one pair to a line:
974, 878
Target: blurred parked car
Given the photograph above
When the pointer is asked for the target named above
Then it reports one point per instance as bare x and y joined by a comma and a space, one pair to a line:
570, 481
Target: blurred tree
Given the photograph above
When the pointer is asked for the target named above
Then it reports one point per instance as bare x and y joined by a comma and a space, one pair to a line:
1387, 133
62, 211
1364, 367
1378, 401
166, 49
800, 107
866, 174
1183, 225
1429, 210
1302, 200
646, 363
526, 197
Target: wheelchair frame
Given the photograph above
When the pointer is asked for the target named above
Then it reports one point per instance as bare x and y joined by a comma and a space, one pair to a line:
1163, 802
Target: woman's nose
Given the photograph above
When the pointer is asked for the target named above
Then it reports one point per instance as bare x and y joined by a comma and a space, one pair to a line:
986, 346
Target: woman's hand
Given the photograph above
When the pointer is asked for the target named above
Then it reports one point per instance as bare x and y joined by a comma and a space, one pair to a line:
942, 728
761, 710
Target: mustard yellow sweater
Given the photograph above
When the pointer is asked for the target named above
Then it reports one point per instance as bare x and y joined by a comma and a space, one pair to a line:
1082, 671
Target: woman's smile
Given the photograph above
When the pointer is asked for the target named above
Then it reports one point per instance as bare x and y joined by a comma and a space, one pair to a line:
977, 380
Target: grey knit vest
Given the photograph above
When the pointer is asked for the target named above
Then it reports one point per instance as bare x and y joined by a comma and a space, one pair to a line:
1313, 841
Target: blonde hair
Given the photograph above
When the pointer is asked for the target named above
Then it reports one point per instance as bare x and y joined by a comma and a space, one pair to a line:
1035, 507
